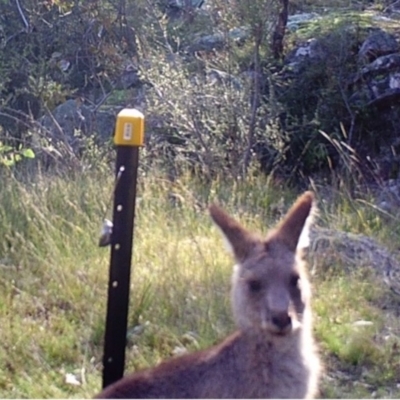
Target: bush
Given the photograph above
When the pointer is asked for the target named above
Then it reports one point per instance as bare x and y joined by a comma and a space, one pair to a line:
316, 98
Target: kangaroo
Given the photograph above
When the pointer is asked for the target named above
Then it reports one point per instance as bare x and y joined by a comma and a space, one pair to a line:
272, 353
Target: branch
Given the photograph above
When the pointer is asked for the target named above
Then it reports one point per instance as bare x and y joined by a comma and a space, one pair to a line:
21, 13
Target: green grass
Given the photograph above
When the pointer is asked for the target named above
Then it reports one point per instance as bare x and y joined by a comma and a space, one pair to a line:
53, 283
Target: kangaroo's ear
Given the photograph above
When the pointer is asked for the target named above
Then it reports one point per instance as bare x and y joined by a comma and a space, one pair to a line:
293, 230
239, 239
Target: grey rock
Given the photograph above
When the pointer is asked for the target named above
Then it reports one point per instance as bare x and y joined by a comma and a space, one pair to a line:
71, 121
174, 8
215, 76
239, 34
382, 64
377, 44
310, 51
296, 21
388, 196
208, 43
378, 83
129, 78
329, 247
183, 3
218, 40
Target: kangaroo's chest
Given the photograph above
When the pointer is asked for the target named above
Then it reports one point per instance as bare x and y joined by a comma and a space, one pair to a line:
288, 377
280, 375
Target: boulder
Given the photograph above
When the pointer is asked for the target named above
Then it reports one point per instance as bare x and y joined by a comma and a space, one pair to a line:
377, 44
383, 64
377, 83
329, 247
129, 78
71, 121
218, 40
310, 51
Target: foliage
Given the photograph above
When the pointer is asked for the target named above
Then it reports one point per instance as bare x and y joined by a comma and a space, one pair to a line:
196, 121
51, 67
10, 155
234, 107
339, 5
317, 98
218, 117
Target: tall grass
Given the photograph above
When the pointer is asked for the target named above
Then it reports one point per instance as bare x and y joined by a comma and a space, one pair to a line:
53, 281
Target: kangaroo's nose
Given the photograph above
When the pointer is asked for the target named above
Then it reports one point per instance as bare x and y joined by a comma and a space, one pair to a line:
282, 321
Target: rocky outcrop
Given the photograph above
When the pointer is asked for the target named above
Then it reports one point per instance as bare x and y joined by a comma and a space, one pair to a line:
71, 122
329, 248
377, 44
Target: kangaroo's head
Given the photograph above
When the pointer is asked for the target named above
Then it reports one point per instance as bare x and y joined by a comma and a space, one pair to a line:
270, 290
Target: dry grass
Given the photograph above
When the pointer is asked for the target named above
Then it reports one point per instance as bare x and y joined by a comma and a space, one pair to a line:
54, 279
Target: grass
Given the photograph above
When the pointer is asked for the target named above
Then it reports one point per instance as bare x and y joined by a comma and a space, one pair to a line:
359, 336
53, 283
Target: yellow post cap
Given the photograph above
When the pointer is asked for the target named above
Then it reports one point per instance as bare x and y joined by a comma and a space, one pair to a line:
129, 129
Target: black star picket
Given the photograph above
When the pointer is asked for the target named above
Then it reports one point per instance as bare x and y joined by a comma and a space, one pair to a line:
129, 136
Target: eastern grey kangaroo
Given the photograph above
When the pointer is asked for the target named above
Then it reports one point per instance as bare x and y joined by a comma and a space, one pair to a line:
272, 353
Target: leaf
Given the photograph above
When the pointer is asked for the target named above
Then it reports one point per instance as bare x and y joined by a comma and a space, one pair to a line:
28, 153
4, 148
7, 162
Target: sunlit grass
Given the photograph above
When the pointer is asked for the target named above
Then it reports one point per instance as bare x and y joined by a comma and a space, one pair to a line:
53, 282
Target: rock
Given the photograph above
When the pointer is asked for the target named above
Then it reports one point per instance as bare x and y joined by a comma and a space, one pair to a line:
218, 40
174, 8
377, 44
388, 195
383, 64
312, 51
330, 247
297, 20
182, 3
71, 121
382, 94
208, 43
67, 118
103, 124
386, 99
239, 34
378, 83
129, 78
216, 76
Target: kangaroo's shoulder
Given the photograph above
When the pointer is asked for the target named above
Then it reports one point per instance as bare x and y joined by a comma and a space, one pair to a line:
177, 375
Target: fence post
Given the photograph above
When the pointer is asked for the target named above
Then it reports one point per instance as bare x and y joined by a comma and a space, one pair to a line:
129, 136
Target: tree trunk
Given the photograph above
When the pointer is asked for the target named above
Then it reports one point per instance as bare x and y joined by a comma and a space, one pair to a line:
279, 33
255, 102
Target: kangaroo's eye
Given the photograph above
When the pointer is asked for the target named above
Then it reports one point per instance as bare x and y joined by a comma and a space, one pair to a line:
294, 280
255, 286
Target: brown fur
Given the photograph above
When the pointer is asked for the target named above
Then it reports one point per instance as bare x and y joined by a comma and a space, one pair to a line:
272, 354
